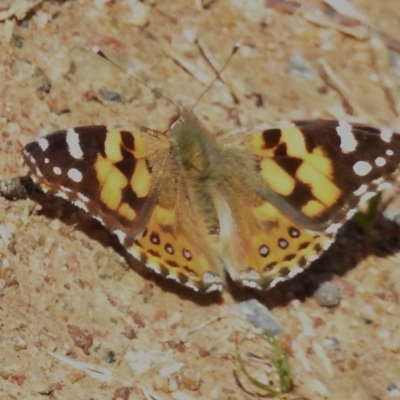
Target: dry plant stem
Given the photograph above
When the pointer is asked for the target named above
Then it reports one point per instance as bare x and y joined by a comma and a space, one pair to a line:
336, 83
381, 62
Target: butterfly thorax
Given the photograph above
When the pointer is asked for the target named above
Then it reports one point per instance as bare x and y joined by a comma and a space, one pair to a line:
194, 152
192, 147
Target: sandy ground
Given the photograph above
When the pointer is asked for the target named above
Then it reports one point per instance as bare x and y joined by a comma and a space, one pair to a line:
78, 318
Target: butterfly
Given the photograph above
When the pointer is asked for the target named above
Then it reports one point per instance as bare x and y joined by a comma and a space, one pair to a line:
193, 206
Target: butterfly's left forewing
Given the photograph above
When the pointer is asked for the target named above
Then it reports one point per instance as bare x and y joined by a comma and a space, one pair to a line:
110, 173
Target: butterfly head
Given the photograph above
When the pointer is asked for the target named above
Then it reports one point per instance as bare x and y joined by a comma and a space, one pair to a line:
191, 143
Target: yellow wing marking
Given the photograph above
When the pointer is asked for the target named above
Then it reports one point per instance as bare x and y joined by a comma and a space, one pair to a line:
112, 181
276, 177
321, 187
170, 252
315, 170
141, 179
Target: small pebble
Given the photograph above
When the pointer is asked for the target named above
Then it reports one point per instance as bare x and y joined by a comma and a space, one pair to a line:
110, 95
301, 67
331, 344
19, 344
319, 388
259, 316
393, 390
328, 295
81, 338
368, 313
129, 332
140, 13
191, 379
106, 355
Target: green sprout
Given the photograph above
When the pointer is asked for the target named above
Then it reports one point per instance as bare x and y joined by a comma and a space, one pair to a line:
279, 362
366, 219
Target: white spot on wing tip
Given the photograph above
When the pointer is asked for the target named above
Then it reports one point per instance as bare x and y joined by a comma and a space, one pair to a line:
74, 146
362, 168
43, 143
380, 162
348, 142
75, 175
57, 170
386, 135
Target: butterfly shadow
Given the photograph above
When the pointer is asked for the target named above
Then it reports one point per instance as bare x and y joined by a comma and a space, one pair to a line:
53, 207
352, 245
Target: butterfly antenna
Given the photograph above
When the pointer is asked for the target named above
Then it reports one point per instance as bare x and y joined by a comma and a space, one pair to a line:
155, 91
235, 48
